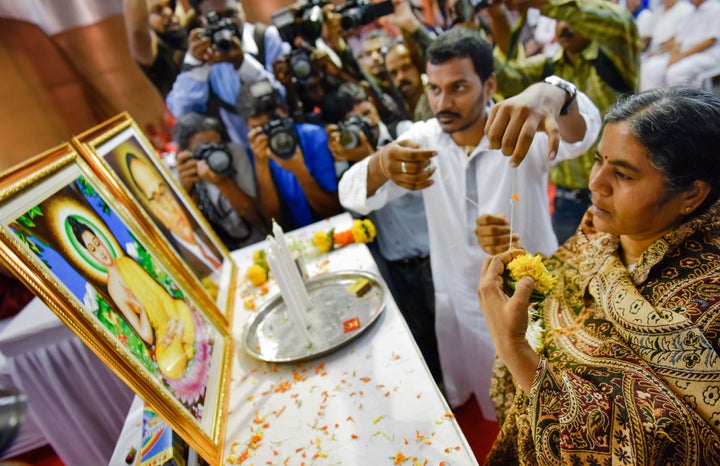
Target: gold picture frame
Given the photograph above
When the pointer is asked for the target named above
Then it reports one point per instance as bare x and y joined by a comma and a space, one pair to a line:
121, 154
66, 236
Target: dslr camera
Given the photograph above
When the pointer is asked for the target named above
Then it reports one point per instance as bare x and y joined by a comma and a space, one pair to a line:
356, 13
221, 31
300, 63
302, 19
217, 156
282, 139
351, 129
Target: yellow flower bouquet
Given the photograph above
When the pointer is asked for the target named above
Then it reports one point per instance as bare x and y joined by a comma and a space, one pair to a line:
528, 265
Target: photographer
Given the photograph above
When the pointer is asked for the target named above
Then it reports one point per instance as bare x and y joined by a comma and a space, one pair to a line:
216, 67
402, 246
220, 179
294, 168
321, 58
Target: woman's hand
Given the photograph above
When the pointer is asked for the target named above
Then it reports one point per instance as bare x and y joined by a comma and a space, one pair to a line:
507, 318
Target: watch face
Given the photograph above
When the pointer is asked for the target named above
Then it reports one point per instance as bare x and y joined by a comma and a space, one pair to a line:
566, 86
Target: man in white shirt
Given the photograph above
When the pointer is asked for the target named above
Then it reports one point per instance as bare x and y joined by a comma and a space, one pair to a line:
663, 25
453, 159
694, 49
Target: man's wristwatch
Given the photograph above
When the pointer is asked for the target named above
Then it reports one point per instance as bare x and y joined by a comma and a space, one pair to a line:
566, 86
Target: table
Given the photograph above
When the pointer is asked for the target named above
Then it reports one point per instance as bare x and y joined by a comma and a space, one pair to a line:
78, 403
372, 401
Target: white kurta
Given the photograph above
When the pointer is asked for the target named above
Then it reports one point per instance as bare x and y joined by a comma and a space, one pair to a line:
465, 346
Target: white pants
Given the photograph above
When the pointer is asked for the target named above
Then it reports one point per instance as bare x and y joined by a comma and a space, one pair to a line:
655, 71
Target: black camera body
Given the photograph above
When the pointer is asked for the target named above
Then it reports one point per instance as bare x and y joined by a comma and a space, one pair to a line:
217, 156
300, 63
351, 129
282, 138
302, 19
221, 31
356, 13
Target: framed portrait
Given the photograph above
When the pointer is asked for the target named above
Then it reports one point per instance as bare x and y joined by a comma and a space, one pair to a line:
68, 238
120, 153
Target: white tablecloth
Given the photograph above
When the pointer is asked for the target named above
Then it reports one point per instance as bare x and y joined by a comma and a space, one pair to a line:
370, 402
79, 404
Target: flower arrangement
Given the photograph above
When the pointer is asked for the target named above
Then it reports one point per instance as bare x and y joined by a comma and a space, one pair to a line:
528, 265
322, 241
361, 231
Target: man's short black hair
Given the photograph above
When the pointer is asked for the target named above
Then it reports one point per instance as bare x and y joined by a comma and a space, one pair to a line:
258, 98
341, 101
188, 125
461, 42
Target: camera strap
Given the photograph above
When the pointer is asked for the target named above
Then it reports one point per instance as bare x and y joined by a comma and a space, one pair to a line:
215, 219
259, 38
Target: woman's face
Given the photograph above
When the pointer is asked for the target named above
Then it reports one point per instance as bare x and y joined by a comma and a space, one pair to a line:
629, 196
96, 248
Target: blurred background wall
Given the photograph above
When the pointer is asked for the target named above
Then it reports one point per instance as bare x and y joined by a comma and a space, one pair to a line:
66, 67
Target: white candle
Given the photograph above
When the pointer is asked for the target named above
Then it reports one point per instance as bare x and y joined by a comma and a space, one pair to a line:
294, 274
292, 303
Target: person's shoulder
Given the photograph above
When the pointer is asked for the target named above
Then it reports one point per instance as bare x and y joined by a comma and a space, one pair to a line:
310, 128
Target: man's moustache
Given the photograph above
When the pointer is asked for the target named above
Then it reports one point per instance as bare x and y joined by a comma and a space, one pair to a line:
449, 114
566, 34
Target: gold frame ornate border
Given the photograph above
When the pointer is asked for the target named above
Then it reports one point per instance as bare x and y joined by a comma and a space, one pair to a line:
57, 185
102, 147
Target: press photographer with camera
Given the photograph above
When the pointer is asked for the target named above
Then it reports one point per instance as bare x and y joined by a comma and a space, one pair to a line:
294, 168
216, 66
220, 178
321, 58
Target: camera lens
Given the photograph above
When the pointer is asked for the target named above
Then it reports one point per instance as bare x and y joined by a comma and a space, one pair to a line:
282, 144
281, 137
216, 156
223, 40
300, 65
350, 137
219, 161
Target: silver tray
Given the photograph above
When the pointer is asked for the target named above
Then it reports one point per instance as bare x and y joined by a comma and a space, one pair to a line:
336, 317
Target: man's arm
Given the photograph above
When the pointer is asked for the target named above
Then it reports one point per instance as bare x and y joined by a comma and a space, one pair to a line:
676, 55
512, 124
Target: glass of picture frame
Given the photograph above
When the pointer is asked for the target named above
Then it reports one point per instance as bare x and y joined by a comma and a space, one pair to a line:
66, 235
119, 152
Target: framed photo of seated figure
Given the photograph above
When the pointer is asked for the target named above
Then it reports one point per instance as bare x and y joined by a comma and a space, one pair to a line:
67, 237
119, 152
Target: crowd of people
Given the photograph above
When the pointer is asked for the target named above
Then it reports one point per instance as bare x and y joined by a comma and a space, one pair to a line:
448, 135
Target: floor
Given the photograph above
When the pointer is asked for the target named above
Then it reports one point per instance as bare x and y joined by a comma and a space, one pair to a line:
480, 433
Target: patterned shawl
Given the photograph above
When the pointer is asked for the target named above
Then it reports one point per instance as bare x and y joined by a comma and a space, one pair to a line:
629, 370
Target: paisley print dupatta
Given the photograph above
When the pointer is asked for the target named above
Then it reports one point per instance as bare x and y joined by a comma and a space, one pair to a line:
630, 368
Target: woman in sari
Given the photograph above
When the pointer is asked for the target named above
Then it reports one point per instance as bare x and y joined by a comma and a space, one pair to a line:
625, 369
